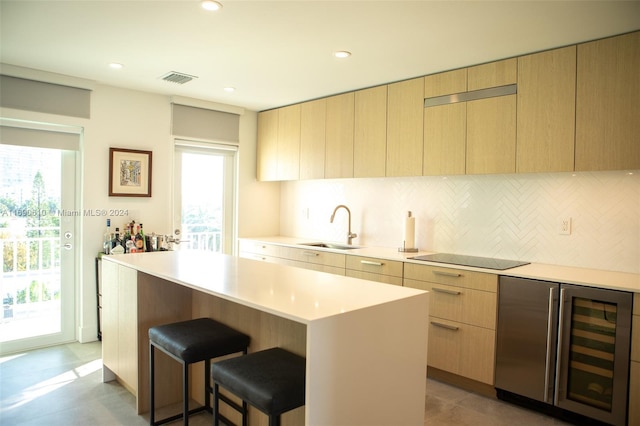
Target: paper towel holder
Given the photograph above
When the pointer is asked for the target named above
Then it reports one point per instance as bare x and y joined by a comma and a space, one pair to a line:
403, 249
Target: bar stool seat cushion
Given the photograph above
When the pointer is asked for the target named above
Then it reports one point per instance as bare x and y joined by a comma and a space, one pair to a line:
272, 380
198, 339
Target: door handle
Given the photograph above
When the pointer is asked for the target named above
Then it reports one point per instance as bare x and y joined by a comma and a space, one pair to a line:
447, 326
556, 397
446, 291
547, 366
447, 274
68, 246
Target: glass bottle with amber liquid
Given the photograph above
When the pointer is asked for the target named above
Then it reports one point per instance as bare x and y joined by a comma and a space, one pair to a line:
141, 243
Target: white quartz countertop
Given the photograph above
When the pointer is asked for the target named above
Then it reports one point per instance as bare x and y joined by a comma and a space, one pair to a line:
557, 273
294, 293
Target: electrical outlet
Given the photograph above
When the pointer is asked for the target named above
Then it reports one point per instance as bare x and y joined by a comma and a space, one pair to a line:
565, 226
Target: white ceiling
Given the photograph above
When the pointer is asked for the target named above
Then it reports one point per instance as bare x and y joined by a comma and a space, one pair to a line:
280, 52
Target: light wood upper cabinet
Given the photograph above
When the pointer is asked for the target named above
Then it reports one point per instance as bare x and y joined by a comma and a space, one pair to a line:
608, 104
445, 139
267, 147
491, 135
493, 74
445, 126
370, 135
405, 110
546, 111
339, 136
445, 83
289, 143
312, 139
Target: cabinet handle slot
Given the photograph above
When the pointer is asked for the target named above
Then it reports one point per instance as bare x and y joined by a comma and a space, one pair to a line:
447, 326
447, 274
310, 253
446, 291
368, 262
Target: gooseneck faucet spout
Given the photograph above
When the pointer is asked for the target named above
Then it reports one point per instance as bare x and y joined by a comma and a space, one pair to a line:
350, 235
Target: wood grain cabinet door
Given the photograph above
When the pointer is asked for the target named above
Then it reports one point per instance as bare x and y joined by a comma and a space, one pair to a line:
608, 104
339, 136
546, 111
491, 135
405, 127
370, 135
312, 138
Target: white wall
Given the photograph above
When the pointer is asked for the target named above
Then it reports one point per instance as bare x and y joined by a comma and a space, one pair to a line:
137, 120
505, 216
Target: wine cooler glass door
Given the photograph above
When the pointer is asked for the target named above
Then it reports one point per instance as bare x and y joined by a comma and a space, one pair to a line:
593, 354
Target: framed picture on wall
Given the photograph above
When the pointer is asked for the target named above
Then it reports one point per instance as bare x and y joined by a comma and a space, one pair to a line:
129, 173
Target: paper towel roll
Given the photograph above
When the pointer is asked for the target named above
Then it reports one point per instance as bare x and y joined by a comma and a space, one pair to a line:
409, 231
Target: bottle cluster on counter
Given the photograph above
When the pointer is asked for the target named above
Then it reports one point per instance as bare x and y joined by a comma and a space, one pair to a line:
131, 240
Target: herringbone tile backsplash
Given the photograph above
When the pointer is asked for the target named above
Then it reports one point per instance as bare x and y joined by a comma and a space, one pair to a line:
506, 216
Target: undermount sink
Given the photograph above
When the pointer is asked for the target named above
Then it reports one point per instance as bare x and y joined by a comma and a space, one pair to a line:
330, 246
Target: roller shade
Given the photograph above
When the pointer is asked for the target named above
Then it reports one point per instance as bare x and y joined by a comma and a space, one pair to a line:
200, 123
39, 138
31, 95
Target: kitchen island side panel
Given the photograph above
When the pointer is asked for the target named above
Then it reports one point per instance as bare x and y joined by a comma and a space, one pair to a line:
374, 360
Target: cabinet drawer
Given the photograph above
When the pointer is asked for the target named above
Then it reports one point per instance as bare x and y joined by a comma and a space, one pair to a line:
258, 247
462, 349
313, 256
375, 265
262, 257
460, 304
451, 276
371, 276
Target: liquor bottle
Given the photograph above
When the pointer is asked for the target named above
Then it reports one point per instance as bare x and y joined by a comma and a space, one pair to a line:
140, 243
106, 239
116, 244
126, 238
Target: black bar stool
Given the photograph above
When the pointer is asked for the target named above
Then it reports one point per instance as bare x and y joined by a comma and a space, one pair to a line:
189, 342
272, 380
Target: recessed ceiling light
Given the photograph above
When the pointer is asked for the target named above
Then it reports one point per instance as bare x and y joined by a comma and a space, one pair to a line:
342, 54
229, 89
211, 5
115, 65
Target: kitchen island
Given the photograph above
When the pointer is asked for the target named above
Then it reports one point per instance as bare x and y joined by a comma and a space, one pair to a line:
365, 343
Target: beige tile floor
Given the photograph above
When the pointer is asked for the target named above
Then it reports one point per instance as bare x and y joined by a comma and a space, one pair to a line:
62, 385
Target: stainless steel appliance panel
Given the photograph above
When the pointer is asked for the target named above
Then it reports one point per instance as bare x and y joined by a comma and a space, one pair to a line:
526, 346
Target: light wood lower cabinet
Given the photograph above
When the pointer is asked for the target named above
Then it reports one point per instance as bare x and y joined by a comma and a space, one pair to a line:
462, 319
374, 269
119, 319
316, 260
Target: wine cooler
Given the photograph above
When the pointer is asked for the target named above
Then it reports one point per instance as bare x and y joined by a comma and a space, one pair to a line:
565, 346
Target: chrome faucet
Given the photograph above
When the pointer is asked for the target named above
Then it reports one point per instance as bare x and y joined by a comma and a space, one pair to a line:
350, 235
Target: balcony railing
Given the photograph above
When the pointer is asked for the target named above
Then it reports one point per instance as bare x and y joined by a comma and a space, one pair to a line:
30, 272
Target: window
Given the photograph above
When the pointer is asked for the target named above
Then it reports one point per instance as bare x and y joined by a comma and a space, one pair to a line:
205, 195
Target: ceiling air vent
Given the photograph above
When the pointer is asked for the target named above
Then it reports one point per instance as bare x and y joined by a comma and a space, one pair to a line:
177, 77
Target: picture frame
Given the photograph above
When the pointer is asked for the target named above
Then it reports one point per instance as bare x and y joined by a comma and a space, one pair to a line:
129, 172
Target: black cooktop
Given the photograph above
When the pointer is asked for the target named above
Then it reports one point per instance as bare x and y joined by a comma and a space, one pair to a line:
475, 261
